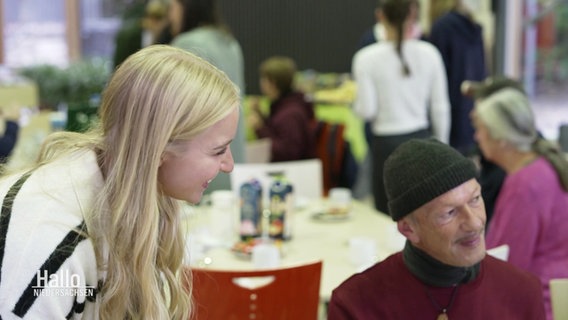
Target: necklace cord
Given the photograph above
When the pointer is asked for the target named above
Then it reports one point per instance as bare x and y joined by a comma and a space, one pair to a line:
449, 305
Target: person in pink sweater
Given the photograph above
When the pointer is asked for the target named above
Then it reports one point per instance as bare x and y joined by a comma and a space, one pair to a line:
443, 272
531, 210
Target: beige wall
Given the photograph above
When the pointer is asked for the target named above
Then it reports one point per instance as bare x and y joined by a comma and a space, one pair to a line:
1, 32
72, 16
513, 38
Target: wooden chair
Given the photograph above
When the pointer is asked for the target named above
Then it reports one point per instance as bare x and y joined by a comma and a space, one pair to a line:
559, 298
272, 294
331, 149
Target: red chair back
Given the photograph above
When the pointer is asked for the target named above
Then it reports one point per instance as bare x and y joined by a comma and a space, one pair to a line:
276, 294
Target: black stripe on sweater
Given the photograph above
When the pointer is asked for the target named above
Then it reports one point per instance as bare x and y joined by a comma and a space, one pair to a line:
6, 214
63, 251
78, 307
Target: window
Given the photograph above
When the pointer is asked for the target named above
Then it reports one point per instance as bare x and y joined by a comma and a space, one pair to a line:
58, 32
34, 32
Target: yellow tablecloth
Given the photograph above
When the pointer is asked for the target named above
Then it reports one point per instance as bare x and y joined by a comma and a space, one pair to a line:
19, 95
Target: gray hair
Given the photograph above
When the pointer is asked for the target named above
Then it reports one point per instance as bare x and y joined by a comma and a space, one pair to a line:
508, 116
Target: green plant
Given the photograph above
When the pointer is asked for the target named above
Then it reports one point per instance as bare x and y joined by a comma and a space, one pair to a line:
86, 79
74, 86
51, 81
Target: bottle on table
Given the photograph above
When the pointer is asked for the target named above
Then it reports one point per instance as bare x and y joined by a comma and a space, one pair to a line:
281, 203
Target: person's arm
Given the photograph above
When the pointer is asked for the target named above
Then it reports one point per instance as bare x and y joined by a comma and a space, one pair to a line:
288, 140
287, 133
67, 295
49, 269
365, 104
515, 222
10, 116
337, 309
441, 40
8, 140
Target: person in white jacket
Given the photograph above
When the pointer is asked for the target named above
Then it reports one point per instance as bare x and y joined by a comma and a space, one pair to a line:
401, 89
93, 230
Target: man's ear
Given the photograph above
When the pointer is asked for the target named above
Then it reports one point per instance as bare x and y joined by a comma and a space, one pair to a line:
408, 229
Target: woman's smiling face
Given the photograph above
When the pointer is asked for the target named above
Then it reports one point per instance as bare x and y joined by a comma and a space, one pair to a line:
186, 174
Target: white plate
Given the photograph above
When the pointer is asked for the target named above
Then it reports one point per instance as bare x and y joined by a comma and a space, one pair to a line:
327, 217
301, 202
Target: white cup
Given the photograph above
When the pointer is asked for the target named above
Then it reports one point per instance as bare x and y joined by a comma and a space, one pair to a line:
265, 256
223, 215
362, 252
223, 199
194, 250
339, 201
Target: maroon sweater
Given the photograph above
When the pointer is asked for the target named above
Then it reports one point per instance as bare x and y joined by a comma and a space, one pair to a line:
290, 128
389, 291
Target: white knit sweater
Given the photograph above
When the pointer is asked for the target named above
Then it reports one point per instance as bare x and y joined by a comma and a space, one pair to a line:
397, 104
48, 270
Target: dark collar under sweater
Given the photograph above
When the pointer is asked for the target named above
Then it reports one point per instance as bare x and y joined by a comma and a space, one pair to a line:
433, 272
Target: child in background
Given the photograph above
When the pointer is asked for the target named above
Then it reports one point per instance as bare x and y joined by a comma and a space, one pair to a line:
290, 123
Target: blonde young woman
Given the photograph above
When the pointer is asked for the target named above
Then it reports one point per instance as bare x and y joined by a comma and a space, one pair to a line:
95, 226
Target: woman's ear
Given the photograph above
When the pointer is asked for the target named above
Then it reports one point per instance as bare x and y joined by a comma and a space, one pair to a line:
408, 229
163, 158
503, 144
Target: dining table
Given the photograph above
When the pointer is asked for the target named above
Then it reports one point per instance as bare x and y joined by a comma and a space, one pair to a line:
334, 240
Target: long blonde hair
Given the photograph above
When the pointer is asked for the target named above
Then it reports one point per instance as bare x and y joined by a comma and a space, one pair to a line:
159, 96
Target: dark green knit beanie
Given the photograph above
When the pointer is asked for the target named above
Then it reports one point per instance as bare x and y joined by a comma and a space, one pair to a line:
420, 170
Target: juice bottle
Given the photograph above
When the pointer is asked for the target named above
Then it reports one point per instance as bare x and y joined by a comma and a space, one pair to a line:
250, 209
281, 208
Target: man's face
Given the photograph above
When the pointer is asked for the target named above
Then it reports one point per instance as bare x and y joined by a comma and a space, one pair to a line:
451, 227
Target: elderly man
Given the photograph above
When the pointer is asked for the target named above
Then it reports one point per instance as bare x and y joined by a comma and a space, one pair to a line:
443, 271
